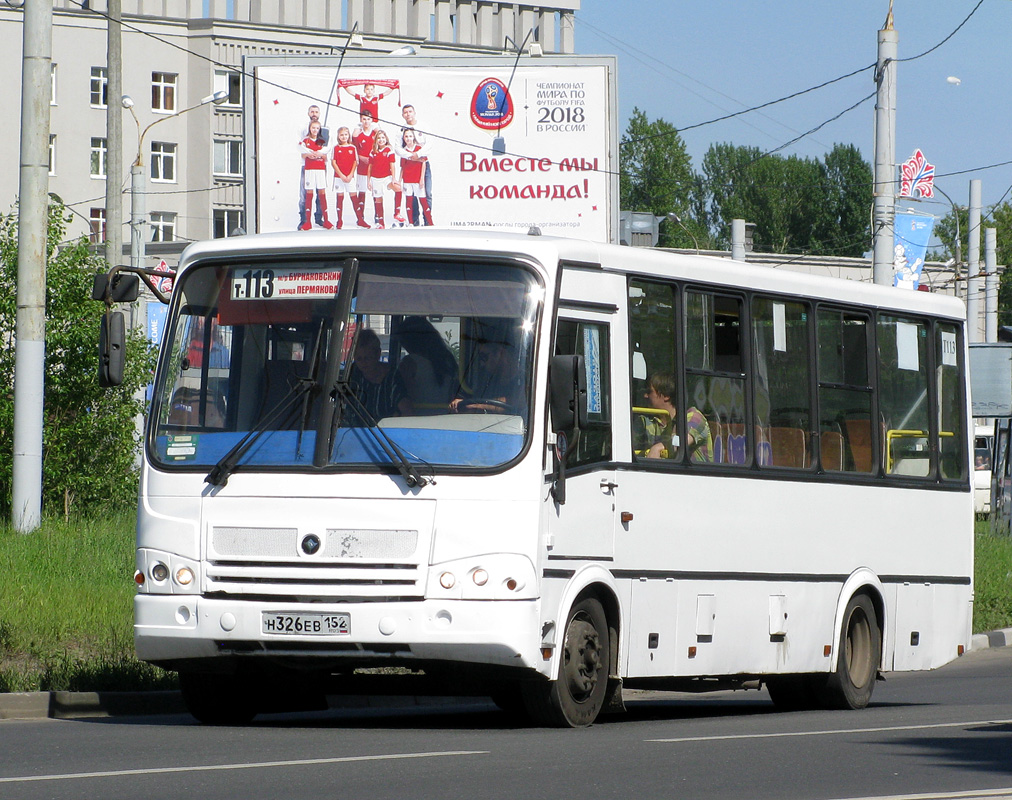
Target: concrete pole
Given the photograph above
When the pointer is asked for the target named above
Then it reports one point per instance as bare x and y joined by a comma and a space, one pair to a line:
33, 218
114, 138
738, 239
885, 154
990, 285
137, 213
973, 286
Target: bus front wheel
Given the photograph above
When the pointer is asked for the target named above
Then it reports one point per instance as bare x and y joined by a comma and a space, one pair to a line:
858, 656
577, 696
217, 699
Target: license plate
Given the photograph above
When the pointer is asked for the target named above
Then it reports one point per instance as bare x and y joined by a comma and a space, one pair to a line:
275, 623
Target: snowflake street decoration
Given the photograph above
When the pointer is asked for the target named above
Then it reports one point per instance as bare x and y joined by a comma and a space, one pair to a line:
917, 175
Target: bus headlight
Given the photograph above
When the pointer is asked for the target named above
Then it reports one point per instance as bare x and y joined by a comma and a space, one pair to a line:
184, 576
159, 572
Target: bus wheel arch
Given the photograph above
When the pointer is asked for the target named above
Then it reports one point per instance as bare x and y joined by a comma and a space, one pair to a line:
858, 647
585, 661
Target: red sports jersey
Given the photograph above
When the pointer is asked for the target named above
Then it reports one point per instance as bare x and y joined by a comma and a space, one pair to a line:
346, 156
316, 145
363, 143
368, 105
411, 171
381, 163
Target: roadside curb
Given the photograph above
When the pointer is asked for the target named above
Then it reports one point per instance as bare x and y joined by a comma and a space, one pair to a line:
999, 638
83, 705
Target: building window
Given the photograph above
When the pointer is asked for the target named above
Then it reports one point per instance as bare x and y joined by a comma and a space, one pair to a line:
99, 152
231, 82
99, 87
163, 226
163, 91
228, 157
163, 162
52, 84
52, 154
226, 222
97, 217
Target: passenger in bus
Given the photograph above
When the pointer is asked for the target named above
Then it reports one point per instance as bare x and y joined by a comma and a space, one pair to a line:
184, 409
660, 394
429, 371
375, 383
498, 387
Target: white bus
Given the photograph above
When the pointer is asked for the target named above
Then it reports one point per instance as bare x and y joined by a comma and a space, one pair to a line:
457, 453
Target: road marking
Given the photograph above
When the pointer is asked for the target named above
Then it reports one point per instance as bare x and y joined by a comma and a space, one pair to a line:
256, 765
973, 794
837, 732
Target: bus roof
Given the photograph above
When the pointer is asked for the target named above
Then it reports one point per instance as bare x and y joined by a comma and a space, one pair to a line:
549, 251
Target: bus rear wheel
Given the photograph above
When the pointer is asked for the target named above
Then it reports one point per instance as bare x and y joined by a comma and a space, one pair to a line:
859, 654
217, 699
577, 696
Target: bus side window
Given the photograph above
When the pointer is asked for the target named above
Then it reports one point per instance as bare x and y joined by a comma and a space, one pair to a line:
652, 338
590, 340
845, 392
783, 403
903, 395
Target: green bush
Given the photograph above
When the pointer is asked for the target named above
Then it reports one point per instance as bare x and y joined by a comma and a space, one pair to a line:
992, 605
90, 441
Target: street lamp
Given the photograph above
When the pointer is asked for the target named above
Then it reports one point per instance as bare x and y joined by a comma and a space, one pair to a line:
138, 186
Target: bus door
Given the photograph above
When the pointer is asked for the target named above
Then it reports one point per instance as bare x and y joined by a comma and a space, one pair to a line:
584, 527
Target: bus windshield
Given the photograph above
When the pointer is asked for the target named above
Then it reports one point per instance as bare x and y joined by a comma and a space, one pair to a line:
339, 363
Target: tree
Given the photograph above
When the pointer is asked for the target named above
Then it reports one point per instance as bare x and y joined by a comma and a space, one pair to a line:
656, 175
89, 435
797, 205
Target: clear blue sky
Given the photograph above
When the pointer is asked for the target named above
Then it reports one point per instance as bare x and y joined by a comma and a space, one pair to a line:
693, 60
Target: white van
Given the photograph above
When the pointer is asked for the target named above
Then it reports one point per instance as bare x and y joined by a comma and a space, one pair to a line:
983, 447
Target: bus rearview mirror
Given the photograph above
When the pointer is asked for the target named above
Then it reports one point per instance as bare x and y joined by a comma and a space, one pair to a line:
111, 349
568, 393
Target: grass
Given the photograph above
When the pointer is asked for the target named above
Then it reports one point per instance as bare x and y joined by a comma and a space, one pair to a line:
66, 605
992, 606
66, 599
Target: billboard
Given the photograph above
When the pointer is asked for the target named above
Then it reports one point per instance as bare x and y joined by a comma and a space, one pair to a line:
911, 233
453, 142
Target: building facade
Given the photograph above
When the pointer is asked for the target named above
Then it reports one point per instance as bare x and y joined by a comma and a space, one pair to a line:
176, 53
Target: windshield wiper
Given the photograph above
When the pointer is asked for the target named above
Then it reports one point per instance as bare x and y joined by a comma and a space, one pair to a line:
392, 450
218, 476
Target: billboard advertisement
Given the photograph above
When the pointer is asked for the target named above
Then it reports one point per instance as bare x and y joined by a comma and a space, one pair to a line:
450, 142
911, 233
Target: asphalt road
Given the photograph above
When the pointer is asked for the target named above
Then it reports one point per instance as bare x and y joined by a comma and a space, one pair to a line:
944, 734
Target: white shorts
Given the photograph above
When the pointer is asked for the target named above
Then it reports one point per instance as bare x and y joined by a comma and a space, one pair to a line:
315, 179
344, 186
413, 189
379, 185
362, 182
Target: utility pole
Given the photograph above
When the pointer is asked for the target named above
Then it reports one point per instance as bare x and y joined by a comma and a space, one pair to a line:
973, 287
114, 137
885, 153
33, 217
990, 285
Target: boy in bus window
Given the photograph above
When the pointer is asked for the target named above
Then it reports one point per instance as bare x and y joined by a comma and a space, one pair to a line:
660, 393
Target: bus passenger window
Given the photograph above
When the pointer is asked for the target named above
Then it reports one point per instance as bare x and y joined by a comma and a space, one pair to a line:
844, 392
714, 374
903, 395
782, 395
948, 391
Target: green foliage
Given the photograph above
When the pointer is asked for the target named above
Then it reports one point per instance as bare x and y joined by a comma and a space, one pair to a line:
797, 205
90, 440
657, 177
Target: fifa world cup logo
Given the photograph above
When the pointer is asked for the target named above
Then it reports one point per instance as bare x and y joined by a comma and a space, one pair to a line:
490, 92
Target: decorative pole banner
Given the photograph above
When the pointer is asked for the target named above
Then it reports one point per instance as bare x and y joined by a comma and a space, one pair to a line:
917, 175
910, 243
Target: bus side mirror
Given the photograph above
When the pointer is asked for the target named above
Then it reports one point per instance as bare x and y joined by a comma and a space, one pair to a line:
111, 349
124, 288
568, 393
